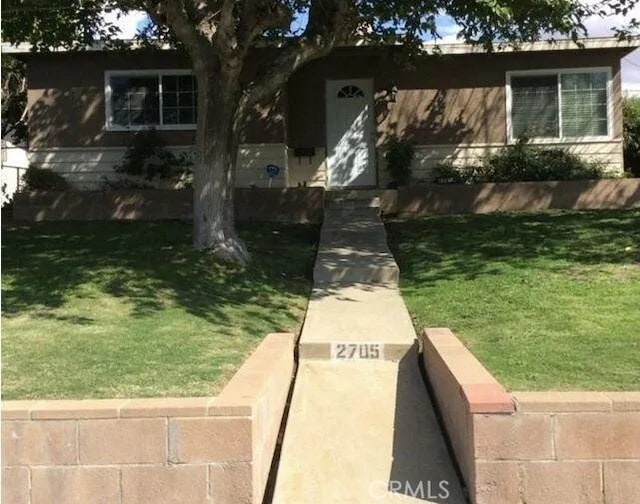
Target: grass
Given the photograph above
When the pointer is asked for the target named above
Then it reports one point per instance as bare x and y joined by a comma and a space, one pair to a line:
131, 310
545, 301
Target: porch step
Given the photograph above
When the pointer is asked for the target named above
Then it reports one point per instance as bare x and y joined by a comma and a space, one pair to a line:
354, 265
353, 248
357, 313
352, 199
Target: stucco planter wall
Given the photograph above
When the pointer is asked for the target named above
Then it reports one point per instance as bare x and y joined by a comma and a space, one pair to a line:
427, 199
533, 447
306, 204
134, 451
294, 204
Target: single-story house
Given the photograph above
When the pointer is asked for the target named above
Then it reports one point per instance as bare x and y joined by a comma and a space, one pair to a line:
330, 125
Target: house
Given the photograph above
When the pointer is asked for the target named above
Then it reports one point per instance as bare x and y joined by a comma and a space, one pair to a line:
330, 125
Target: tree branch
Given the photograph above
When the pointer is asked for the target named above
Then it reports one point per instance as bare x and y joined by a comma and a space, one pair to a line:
174, 14
226, 40
259, 16
329, 23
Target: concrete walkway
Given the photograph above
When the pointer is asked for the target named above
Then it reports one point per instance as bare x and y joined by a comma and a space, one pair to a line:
361, 427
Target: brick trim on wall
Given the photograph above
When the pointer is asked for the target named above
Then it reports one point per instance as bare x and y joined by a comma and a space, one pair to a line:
159, 450
533, 447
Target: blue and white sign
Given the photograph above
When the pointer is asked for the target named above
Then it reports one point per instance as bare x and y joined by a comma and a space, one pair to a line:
272, 170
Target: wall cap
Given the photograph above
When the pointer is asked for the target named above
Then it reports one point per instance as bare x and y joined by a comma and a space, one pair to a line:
482, 392
575, 401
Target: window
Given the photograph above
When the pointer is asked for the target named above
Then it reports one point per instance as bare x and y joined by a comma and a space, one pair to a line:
162, 99
584, 104
178, 99
350, 92
559, 104
534, 108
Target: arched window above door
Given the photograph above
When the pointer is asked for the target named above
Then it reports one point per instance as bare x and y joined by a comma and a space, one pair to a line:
350, 92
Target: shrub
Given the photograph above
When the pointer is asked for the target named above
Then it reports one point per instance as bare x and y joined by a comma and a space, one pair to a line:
44, 179
123, 183
447, 173
147, 157
398, 160
521, 162
631, 135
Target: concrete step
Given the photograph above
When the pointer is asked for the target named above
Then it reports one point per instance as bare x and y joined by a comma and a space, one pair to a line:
343, 213
357, 313
362, 433
353, 249
349, 264
360, 204
370, 196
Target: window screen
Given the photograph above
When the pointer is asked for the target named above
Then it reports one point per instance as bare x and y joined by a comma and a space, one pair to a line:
584, 104
534, 106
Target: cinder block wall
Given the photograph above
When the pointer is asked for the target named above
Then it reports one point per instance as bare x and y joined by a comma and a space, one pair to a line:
184, 450
533, 447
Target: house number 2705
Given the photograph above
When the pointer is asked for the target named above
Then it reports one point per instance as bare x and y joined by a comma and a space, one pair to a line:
357, 351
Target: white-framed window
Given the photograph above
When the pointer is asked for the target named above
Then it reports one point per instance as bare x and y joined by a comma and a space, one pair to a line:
140, 99
559, 105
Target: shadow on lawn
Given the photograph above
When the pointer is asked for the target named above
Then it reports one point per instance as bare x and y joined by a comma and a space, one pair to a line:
150, 264
468, 246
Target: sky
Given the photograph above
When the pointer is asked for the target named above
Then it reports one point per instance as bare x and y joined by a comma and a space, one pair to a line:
597, 27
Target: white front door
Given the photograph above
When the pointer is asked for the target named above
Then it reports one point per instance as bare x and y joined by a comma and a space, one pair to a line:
350, 133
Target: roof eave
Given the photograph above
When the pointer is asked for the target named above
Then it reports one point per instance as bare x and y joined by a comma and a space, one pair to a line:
627, 45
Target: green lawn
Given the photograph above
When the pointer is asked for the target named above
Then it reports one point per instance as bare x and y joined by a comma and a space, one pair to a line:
545, 301
131, 310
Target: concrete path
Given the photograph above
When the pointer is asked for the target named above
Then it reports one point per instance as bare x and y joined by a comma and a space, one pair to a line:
361, 427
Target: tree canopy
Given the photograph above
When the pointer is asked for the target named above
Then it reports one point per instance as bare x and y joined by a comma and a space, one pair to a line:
74, 24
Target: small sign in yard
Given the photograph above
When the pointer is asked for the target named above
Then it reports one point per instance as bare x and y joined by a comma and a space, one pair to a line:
357, 351
272, 170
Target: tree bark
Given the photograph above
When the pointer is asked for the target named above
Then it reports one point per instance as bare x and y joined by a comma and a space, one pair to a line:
215, 159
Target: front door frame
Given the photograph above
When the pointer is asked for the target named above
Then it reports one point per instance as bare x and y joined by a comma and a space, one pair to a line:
367, 84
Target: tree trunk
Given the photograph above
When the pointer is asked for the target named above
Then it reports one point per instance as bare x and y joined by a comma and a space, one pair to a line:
215, 160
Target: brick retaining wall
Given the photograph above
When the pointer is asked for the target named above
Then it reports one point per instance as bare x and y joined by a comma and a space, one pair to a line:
136, 451
533, 447
294, 204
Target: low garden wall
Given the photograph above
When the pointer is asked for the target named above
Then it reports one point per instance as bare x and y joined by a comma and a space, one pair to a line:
136, 451
306, 204
294, 204
514, 196
533, 447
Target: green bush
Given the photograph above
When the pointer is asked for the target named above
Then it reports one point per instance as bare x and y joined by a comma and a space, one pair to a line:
631, 133
44, 179
448, 173
147, 157
521, 162
398, 160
